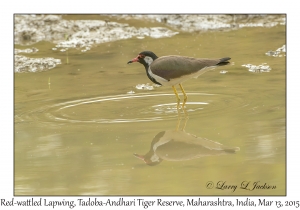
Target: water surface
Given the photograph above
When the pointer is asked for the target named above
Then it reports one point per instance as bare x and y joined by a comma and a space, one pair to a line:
78, 125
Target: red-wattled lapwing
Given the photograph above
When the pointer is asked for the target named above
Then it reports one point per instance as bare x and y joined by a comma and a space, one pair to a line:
173, 145
172, 70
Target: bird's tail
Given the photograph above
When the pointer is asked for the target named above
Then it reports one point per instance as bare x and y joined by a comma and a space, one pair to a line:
232, 150
223, 61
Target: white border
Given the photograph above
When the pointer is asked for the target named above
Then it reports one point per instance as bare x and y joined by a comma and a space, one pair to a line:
151, 6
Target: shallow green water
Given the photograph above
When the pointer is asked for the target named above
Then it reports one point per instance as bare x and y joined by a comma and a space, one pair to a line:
77, 135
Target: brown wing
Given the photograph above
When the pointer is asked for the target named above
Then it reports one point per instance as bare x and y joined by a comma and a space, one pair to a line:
170, 67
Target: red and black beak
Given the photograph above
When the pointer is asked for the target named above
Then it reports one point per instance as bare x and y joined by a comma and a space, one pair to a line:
134, 60
141, 157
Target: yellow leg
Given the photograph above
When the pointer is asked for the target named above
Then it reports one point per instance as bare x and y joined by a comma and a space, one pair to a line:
185, 119
185, 96
177, 96
178, 121
178, 103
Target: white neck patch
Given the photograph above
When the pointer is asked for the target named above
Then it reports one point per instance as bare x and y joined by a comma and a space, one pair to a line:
148, 60
154, 158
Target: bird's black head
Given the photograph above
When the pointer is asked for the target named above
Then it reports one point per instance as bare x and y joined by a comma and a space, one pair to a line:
145, 58
152, 159
149, 53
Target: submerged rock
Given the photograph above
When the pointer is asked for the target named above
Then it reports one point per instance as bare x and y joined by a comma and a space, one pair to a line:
193, 22
257, 69
26, 64
80, 34
223, 72
28, 50
84, 34
146, 86
277, 53
30, 29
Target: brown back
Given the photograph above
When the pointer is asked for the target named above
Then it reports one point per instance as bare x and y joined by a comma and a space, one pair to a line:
173, 66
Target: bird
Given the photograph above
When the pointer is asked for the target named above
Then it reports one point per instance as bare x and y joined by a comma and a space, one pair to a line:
174, 145
173, 70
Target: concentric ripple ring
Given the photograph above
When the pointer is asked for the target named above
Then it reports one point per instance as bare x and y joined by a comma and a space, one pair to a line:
98, 110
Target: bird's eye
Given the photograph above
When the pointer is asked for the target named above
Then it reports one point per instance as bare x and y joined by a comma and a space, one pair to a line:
141, 56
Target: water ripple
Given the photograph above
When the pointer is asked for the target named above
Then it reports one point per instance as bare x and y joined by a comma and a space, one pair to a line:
127, 108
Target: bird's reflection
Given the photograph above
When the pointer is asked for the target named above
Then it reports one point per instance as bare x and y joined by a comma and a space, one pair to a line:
178, 145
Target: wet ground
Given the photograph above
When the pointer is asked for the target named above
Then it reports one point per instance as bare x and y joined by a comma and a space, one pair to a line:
81, 113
